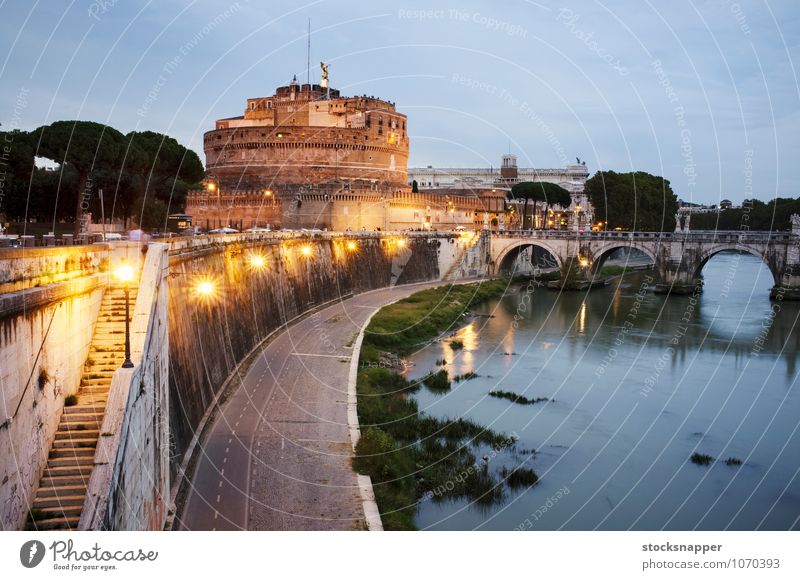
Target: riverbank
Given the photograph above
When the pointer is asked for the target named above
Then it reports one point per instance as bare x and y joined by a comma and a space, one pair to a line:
412, 457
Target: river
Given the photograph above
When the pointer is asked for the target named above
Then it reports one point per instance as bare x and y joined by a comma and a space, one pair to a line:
637, 383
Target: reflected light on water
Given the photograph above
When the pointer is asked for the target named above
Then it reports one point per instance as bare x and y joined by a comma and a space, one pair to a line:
582, 319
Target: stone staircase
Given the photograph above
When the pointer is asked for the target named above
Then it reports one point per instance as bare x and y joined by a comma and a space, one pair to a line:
62, 489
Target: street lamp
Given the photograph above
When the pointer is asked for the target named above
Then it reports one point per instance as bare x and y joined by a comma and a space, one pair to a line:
124, 273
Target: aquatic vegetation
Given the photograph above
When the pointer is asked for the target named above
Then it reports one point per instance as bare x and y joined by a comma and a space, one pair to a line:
515, 398
701, 459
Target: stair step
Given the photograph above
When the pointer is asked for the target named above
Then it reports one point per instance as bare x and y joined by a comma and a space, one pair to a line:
63, 511
71, 457
103, 382
61, 490
94, 372
70, 423
62, 523
82, 434
61, 480
84, 442
61, 471
70, 434
66, 502
84, 410
96, 388
91, 399
89, 418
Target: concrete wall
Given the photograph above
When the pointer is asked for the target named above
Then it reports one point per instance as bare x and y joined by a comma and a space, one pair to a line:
25, 439
129, 486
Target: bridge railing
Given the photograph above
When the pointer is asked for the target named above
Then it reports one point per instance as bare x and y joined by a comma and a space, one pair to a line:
718, 236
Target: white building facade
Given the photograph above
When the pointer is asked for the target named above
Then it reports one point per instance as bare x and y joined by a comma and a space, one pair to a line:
572, 178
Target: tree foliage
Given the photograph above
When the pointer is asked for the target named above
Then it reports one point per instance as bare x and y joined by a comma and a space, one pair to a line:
633, 201
141, 175
539, 191
753, 215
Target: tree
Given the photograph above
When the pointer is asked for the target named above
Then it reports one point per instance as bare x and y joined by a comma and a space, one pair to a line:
633, 201
539, 191
754, 214
84, 145
16, 169
169, 171
554, 194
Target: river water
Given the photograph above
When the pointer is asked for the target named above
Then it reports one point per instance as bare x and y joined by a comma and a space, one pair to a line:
637, 382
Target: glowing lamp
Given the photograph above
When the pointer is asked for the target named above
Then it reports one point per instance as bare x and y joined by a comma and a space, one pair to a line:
124, 273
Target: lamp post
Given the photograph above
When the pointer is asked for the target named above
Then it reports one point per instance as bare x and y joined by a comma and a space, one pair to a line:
125, 274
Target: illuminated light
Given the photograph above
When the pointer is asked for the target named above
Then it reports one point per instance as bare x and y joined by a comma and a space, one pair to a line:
401, 243
124, 273
267, 192
352, 246
257, 261
583, 262
280, 135
306, 250
205, 288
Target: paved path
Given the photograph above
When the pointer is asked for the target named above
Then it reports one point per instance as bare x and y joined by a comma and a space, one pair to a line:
278, 456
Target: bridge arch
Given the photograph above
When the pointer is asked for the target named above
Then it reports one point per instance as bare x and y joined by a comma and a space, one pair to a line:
601, 254
507, 255
717, 248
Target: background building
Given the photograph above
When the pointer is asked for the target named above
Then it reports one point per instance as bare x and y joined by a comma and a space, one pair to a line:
572, 178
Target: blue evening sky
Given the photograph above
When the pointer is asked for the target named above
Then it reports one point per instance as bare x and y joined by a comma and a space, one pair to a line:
704, 92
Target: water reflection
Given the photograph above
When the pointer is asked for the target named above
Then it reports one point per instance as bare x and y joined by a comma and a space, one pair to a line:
638, 382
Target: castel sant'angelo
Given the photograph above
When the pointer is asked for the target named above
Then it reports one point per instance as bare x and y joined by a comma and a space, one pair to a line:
308, 157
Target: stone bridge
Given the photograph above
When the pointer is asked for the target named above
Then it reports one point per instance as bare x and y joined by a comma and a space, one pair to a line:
678, 258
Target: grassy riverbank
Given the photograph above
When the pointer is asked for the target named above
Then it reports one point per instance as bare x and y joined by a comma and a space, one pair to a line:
412, 457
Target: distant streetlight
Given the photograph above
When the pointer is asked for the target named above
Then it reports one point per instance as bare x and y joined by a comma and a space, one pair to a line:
306, 250
352, 246
124, 274
401, 243
268, 192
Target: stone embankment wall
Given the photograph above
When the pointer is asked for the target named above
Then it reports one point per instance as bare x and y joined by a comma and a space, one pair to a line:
47, 316
208, 337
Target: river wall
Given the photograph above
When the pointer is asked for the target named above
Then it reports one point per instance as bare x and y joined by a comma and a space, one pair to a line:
209, 337
47, 316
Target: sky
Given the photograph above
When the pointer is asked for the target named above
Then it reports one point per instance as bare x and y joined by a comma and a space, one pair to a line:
703, 92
